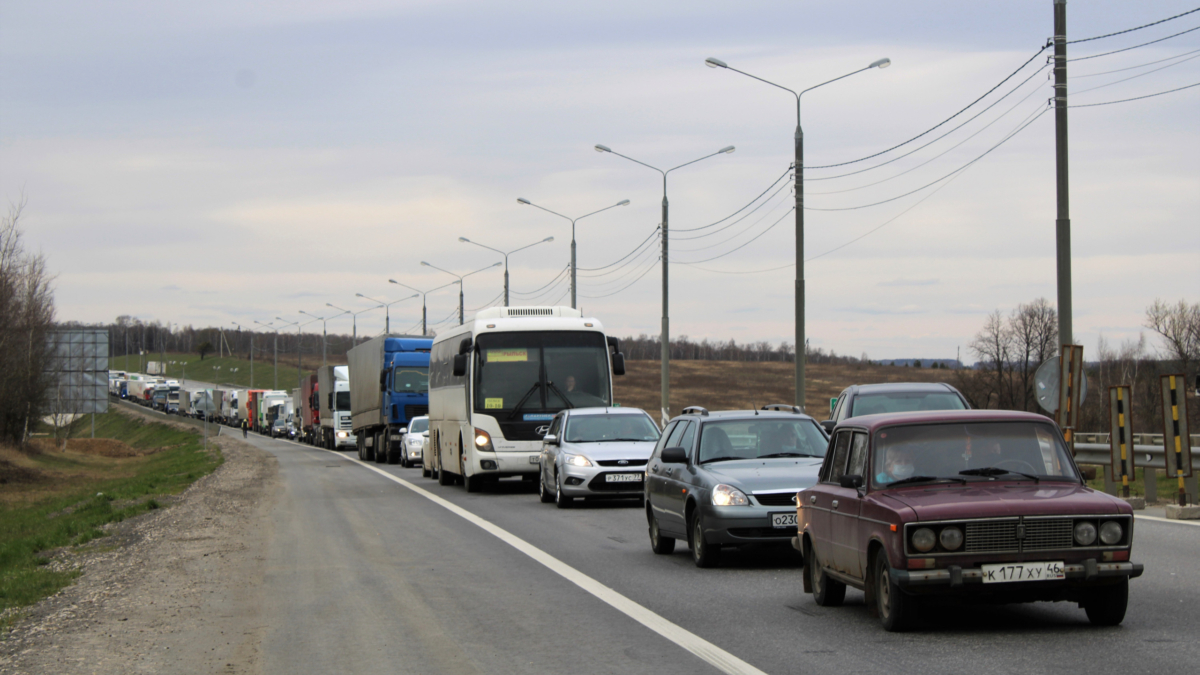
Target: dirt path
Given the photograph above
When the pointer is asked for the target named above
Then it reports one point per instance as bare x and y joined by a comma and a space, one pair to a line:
175, 591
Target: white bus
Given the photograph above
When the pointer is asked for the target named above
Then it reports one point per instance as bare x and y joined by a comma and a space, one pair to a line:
496, 382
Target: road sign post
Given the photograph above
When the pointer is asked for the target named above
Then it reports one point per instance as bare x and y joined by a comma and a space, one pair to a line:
1121, 435
1070, 371
1176, 442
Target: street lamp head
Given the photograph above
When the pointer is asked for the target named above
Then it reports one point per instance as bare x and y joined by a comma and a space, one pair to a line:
464, 239
359, 295
728, 150
425, 264
547, 240
603, 148
623, 202
393, 281
881, 63
497, 265
715, 63
522, 200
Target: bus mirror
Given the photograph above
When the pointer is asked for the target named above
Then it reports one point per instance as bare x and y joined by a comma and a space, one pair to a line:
460, 365
618, 360
464, 346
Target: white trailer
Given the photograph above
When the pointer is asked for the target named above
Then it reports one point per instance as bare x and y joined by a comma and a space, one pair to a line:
333, 387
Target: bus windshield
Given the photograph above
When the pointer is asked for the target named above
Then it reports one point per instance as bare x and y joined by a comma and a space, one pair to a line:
524, 376
411, 379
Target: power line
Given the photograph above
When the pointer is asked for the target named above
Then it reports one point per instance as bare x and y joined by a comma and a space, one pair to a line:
489, 303
596, 269
735, 222
769, 227
730, 239
1130, 30
647, 245
639, 278
1121, 70
1133, 77
939, 124
617, 280
536, 290
1118, 51
705, 227
1136, 98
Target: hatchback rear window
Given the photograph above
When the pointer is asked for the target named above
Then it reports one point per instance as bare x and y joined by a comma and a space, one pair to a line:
874, 404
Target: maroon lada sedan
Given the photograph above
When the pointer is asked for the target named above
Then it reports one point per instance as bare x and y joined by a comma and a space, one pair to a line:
987, 505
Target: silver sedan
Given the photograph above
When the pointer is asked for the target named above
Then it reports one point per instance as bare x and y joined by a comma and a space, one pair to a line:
414, 442
596, 453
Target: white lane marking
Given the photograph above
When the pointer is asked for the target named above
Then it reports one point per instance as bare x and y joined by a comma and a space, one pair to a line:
1193, 523
714, 655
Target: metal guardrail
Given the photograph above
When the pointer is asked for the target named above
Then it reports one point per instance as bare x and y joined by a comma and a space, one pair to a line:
1147, 455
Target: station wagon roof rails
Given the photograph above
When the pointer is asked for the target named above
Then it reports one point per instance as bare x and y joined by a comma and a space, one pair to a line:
695, 410
783, 407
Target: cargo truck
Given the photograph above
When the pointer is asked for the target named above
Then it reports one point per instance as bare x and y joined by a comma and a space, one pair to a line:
389, 385
310, 417
264, 403
334, 431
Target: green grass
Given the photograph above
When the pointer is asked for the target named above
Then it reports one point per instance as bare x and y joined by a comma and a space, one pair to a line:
1168, 486
190, 366
76, 503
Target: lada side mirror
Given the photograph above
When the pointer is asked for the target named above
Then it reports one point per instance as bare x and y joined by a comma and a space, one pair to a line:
851, 481
550, 439
674, 456
460, 365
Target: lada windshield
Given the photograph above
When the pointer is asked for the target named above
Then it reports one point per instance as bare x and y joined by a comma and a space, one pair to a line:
619, 427
760, 439
890, 402
411, 379
531, 373
987, 450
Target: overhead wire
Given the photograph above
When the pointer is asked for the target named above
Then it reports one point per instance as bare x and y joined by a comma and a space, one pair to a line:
630, 284
748, 228
1143, 65
1130, 30
751, 241
1133, 77
619, 279
735, 222
705, 227
1136, 98
647, 245
536, 290
1118, 51
489, 303
596, 269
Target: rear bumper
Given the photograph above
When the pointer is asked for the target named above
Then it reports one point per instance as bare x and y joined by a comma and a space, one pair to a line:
1088, 572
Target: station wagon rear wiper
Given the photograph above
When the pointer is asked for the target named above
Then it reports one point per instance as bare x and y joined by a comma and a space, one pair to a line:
992, 471
924, 479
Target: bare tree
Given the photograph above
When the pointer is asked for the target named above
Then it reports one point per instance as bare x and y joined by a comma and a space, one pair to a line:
1179, 326
1034, 331
993, 348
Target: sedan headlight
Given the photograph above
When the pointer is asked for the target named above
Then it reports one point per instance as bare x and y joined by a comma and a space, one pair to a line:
951, 538
727, 495
577, 460
924, 539
1111, 532
1085, 533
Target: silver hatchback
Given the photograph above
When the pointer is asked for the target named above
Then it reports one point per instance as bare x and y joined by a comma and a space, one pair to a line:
596, 453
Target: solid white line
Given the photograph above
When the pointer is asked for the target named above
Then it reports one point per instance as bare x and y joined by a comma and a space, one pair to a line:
714, 655
1193, 523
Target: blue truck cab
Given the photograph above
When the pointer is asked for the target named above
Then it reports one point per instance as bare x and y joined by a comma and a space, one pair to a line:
389, 386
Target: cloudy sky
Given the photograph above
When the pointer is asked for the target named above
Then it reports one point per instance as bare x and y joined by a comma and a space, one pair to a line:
203, 163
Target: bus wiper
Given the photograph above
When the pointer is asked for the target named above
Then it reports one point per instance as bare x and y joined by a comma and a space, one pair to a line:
992, 471
551, 387
517, 408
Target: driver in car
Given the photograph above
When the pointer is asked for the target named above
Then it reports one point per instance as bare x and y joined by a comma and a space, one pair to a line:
897, 465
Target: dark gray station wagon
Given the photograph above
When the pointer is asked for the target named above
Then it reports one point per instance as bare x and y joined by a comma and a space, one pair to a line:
730, 478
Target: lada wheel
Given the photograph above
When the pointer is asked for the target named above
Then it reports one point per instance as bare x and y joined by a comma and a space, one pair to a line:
896, 609
826, 592
704, 554
543, 494
560, 500
1105, 605
658, 543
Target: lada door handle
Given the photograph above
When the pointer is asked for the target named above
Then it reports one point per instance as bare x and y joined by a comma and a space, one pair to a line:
835, 503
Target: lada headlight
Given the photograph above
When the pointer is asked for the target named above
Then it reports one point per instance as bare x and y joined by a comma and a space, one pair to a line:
951, 538
924, 539
577, 460
1111, 532
1085, 533
727, 495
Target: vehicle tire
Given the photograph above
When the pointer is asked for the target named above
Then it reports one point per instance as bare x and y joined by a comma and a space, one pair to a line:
1105, 605
704, 554
660, 544
444, 477
560, 500
470, 483
543, 494
425, 473
826, 592
368, 452
360, 444
895, 608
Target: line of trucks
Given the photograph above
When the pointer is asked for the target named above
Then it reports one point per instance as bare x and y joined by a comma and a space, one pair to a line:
367, 404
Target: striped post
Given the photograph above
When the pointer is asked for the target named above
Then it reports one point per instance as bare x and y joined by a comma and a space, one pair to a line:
1176, 442
1121, 434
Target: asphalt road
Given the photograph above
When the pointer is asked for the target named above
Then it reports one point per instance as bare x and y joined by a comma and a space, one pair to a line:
365, 574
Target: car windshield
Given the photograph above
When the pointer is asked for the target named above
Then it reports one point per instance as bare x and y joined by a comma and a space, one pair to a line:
419, 426
989, 450
890, 402
618, 427
760, 439
535, 374
342, 401
411, 379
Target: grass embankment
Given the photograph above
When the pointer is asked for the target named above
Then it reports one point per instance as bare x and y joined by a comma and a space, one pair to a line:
231, 370
51, 498
1168, 486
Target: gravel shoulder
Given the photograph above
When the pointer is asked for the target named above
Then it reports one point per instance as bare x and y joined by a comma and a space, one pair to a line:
175, 591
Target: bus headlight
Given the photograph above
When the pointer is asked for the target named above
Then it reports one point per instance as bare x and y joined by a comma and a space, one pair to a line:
483, 441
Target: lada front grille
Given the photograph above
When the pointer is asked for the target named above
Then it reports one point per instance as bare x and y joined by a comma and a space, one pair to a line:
1014, 535
1048, 534
991, 536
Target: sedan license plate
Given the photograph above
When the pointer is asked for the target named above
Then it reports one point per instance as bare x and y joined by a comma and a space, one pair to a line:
623, 478
781, 520
1030, 571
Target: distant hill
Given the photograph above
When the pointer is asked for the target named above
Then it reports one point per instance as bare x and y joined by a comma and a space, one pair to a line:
921, 363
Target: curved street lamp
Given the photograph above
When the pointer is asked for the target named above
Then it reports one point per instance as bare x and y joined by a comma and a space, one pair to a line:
387, 319
666, 332
522, 200
544, 241
424, 313
460, 278
801, 348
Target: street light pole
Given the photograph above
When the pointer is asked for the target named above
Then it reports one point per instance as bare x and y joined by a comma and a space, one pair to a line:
299, 367
324, 334
666, 322
424, 331
240, 327
353, 322
801, 348
522, 200
387, 308
544, 241
460, 285
267, 325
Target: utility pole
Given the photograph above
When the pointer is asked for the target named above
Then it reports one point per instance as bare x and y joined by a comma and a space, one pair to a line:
665, 379
1063, 222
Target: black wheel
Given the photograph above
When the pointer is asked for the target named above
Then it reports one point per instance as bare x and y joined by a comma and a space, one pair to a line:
392, 456
543, 494
1105, 605
361, 443
560, 500
826, 592
444, 477
381, 451
470, 483
425, 473
658, 543
895, 608
704, 554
